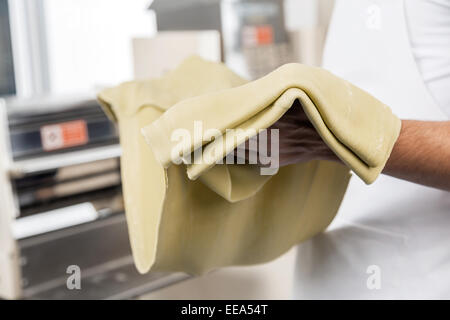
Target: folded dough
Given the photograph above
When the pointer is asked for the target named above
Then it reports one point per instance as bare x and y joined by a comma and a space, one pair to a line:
356, 126
231, 215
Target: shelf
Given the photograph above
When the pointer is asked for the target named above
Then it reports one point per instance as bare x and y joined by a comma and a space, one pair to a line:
55, 161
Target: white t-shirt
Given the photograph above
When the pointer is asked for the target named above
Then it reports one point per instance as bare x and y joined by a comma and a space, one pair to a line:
428, 23
389, 239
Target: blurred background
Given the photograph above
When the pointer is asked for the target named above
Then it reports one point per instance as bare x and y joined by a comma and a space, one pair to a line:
60, 189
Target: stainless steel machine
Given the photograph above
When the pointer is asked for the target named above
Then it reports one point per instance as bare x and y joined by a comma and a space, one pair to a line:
61, 204
254, 38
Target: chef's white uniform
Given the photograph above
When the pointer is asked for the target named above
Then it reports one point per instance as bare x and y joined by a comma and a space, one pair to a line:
390, 239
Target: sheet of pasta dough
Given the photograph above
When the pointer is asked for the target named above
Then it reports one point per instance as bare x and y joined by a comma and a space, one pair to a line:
201, 217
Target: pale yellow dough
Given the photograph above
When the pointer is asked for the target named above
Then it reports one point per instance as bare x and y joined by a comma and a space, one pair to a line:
201, 217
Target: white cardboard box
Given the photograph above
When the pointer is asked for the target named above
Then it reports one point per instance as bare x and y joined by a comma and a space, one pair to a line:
155, 56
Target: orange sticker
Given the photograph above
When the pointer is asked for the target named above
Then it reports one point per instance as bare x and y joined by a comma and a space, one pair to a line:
264, 34
64, 135
253, 36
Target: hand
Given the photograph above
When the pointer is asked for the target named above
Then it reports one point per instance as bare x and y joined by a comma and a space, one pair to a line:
421, 154
298, 139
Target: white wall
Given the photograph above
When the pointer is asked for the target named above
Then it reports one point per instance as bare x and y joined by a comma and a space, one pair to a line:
300, 14
89, 41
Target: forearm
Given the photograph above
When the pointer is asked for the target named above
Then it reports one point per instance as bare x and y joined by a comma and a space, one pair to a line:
422, 154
